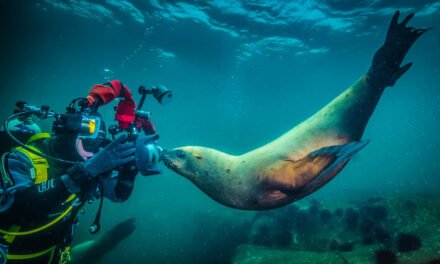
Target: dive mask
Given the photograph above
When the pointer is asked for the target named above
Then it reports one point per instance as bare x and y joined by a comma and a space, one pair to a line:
83, 124
89, 130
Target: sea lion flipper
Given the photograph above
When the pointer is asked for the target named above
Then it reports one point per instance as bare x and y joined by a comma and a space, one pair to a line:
315, 167
385, 69
342, 153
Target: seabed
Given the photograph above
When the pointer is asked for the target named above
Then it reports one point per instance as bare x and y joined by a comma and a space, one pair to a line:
394, 229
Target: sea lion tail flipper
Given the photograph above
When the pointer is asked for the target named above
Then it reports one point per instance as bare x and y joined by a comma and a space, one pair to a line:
385, 69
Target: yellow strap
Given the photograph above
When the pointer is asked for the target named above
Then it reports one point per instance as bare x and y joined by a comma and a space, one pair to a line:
70, 198
8, 238
38, 137
36, 230
39, 163
66, 256
24, 233
33, 255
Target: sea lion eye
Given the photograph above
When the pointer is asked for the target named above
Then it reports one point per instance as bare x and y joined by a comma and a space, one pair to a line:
198, 156
180, 154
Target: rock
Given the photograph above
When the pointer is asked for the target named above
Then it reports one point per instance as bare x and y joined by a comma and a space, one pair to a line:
408, 242
247, 254
334, 245
365, 227
325, 216
377, 213
385, 256
339, 212
355, 232
382, 235
351, 218
346, 247
269, 231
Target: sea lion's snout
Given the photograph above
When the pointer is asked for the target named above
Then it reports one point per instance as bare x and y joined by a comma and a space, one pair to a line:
167, 158
173, 159
184, 161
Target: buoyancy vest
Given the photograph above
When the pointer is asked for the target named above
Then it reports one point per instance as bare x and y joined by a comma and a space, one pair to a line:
70, 206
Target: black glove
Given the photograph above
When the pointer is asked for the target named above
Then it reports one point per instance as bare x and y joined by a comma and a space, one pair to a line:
385, 69
117, 153
125, 184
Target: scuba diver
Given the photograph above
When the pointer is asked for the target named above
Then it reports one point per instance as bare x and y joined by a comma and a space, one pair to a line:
48, 178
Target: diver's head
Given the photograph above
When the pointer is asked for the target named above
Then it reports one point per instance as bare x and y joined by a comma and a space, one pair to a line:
24, 125
86, 146
78, 136
22, 129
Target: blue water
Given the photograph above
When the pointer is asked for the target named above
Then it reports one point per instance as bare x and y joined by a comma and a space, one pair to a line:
243, 73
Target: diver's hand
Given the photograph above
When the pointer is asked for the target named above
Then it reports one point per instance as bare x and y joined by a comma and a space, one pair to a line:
117, 153
385, 69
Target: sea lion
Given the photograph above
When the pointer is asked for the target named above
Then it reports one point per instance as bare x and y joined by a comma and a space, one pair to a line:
309, 155
92, 251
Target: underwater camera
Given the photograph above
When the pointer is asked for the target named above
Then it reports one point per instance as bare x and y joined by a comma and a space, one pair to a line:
163, 96
148, 152
84, 120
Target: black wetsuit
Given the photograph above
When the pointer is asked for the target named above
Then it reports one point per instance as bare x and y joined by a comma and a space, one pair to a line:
37, 205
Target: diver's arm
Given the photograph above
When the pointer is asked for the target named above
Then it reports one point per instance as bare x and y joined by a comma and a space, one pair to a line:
84, 175
119, 186
19, 169
16, 175
385, 69
125, 185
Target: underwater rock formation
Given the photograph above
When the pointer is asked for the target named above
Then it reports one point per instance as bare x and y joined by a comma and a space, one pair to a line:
394, 229
216, 239
269, 231
339, 212
325, 216
351, 218
408, 242
384, 256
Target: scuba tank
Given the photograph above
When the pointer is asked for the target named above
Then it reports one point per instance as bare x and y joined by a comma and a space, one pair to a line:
20, 128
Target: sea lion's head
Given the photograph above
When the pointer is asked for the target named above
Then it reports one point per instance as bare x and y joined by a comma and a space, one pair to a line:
180, 160
191, 162
208, 168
